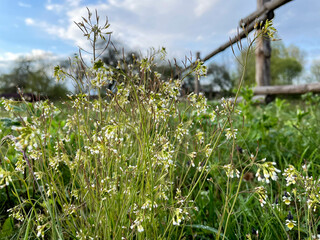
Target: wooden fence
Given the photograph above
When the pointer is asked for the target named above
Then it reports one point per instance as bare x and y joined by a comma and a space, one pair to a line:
265, 10
287, 89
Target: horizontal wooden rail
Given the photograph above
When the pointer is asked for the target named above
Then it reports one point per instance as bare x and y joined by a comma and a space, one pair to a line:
287, 89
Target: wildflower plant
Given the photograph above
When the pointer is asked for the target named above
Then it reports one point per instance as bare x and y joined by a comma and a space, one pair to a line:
135, 161
300, 200
125, 165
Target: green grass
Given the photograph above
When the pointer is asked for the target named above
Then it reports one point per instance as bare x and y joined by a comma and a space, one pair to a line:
290, 139
139, 163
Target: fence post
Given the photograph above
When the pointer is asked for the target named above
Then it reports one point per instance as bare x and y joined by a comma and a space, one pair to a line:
263, 54
197, 80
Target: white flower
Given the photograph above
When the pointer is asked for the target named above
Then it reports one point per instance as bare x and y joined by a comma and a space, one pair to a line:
316, 237
231, 171
140, 228
231, 133
268, 171
305, 167
262, 202
262, 193
291, 175
290, 223
287, 200
177, 219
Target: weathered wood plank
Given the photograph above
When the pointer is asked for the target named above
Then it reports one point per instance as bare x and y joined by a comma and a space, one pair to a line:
269, 6
287, 89
242, 34
197, 80
257, 16
263, 54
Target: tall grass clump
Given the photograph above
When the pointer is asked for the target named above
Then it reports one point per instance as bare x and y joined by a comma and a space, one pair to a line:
116, 166
136, 162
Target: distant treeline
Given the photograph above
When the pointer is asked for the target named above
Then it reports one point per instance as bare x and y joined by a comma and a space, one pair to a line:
35, 76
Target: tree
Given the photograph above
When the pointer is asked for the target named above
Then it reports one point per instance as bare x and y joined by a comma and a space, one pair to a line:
315, 70
250, 72
219, 77
115, 55
31, 76
286, 65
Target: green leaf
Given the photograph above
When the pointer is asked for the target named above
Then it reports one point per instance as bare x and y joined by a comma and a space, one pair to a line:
206, 229
98, 64
8, 122
26, 235
7, 227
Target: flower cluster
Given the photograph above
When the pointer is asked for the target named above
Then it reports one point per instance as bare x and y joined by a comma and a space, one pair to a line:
106, 167
291, 175
231, 133
231, 171
5, 178
267, 170
262, 193
199, 102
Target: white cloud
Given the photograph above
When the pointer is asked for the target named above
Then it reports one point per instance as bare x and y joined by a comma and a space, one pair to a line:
233, 32
179, 25
54, 7
199, 38
138, 23
33, 54
25, 5
40, 54
60, 7
70, 32
29, 21
203, 6
74, 3
8, 58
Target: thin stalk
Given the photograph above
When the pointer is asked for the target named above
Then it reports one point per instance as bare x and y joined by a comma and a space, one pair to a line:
235, 100
281, 224
224, 211
233, 204
298, 218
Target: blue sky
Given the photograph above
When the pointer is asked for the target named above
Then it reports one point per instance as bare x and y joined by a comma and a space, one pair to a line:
45, 28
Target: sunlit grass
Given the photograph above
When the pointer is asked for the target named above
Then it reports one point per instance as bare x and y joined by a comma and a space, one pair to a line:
138, 163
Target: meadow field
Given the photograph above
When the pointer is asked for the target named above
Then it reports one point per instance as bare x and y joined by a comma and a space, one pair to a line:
140, 162
187, 170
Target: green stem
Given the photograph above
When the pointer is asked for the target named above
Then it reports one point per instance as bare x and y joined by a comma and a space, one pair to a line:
281, 224
298, 218
234, 202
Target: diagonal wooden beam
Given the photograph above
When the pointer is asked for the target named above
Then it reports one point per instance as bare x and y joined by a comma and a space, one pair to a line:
267, 7
242, 34
248, 26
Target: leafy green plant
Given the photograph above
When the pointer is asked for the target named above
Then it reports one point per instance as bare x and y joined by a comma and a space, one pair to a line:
137, 162
127, 164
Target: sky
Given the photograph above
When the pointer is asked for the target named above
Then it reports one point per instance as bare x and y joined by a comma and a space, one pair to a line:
46, 29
